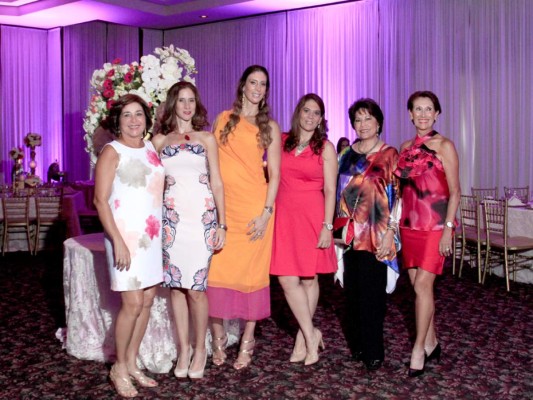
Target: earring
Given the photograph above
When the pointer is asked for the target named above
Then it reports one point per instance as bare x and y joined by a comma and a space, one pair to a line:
262, 103
243, 97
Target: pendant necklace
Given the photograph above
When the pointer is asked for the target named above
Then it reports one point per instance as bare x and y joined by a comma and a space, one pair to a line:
187, 137
301, 147
372, 148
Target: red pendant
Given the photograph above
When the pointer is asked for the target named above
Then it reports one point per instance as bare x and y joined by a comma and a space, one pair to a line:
187, 137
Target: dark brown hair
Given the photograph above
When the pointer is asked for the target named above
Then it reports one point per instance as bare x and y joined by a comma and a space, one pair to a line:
319, 135
263, 115
424, 93
373, 109
169, 118
112, 122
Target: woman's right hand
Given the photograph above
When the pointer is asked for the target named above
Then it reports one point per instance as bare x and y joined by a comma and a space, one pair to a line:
122, 255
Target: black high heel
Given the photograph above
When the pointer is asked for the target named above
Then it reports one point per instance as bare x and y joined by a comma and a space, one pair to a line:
413, 373
435, 354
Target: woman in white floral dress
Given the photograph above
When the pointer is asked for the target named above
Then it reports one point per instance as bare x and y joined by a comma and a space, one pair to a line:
129, 185
193, 218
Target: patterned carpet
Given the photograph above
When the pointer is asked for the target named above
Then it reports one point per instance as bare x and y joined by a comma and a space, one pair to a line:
486, 335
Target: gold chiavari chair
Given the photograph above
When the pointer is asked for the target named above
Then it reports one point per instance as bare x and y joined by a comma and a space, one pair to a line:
17, 219
520, 192
49, 207
483, 193
473, 237
499, 242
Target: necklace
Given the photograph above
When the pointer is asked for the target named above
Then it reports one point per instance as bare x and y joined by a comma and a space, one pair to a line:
187, 137
372, 148
301, 147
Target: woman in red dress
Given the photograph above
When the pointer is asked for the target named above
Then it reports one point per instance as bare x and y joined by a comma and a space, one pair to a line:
302, 245
428, 169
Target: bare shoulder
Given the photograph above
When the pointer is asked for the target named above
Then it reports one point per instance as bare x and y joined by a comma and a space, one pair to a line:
274, 125
158, 141
406, 144
329, 151
206, 137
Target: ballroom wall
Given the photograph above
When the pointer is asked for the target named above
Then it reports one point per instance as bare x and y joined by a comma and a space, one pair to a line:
475, 54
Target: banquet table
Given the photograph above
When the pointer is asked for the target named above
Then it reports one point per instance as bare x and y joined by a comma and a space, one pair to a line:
520, 223
72, 203
91, 308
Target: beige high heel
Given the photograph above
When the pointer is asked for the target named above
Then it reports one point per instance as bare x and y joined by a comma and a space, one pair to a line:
299, 351
122, 384
200, 373
182, 373
219, 345
142, 379
239, 364
312, 352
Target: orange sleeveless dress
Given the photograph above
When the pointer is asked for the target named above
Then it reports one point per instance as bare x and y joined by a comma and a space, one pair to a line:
238, 280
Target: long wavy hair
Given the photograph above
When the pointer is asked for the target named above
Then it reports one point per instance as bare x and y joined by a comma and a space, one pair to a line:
319, 135
263, 115
169, 119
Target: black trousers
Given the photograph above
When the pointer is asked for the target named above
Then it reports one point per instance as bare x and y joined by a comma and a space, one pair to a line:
365, 282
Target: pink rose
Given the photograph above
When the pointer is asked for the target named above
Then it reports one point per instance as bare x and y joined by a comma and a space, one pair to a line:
108, 93
128, 77
109, 104
117, 61
108, 84
110, 73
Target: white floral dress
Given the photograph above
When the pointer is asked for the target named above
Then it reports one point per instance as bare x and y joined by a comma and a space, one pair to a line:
189, 217
136, 203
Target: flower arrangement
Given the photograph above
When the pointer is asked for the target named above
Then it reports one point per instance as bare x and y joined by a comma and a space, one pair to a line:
16, 153
150, 80
33, 181
32, 140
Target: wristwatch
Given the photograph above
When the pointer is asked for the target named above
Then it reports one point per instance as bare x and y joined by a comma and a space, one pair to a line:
449, 224
328, 226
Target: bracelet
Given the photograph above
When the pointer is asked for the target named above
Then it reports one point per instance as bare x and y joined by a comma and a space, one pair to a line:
223, 226
269, 210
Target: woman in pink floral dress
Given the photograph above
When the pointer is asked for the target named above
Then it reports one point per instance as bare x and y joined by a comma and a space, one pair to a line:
128, 196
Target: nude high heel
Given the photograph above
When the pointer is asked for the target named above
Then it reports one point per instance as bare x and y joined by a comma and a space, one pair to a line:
299, 352
312, 352
182, 373
200, 373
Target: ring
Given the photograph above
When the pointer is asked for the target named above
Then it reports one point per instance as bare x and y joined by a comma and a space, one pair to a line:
447, 249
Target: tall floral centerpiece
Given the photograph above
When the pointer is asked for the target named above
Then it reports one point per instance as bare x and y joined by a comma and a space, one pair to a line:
150, 80
31, 141
17, 155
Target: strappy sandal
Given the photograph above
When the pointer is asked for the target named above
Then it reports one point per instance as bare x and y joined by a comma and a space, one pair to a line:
239, 364
219, 346
142, 379
122, 384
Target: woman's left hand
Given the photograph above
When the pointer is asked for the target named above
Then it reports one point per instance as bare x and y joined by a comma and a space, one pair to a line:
324, 239
220, 238
385, 250
445, 244
257, 227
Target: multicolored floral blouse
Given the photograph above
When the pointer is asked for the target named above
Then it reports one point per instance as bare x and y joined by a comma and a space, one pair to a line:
367, 183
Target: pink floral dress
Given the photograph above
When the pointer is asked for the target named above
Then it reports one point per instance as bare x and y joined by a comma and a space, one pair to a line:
136, 203
189, 217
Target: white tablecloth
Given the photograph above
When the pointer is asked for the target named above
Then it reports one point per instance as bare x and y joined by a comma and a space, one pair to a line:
520, 223
91, 308
72, 203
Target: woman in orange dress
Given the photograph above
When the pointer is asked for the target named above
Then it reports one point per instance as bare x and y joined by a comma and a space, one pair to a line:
238, 281
428, 168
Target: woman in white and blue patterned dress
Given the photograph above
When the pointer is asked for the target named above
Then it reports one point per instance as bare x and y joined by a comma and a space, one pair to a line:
193, 218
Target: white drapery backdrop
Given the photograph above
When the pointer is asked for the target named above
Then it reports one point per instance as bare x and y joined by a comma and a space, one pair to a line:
476, 55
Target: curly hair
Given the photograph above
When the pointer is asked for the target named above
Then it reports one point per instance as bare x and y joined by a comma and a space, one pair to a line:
112, 122
319, 135
263, 115
169, 121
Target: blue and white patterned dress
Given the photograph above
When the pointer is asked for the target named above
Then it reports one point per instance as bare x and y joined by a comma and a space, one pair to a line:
189, 217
